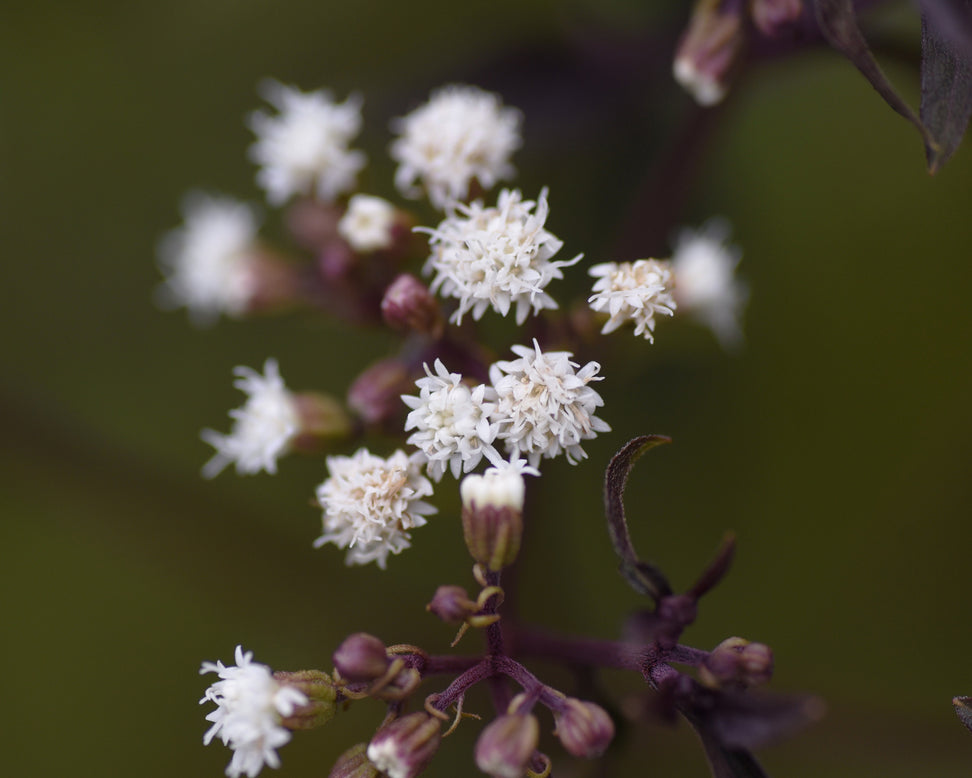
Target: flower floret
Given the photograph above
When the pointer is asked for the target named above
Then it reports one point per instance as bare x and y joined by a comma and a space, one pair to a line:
633, 291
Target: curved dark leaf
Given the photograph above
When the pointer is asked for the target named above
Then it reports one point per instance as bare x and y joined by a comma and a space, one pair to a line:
963, 709
725, 762
717, 568
643, 577
946, 75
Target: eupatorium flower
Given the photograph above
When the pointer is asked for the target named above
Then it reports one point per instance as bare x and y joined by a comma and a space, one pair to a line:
496, 257
208, 261
633, 291
545, 404
451, 422
251, 705
370, 504
263, 428
367, 224
303, 149
462, 133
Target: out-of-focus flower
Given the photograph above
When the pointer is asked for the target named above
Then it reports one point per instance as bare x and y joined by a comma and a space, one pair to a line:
209, 261
704, 267
251, 705
368, 223
545, 404
451, 422
303, 149
633, 291
462, 133
370, 504
496, 257
263, 429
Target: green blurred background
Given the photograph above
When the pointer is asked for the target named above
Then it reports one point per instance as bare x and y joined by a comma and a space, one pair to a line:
837, 445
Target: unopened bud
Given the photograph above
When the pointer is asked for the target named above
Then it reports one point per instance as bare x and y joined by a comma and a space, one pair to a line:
584, 729
409, 305
404, 747
505, 747
312, 223
361, 657
492, 516
320, 418
736, 662
376, 394
772, 17
321, 694
272, 284
709, 52
452, 604
354, 763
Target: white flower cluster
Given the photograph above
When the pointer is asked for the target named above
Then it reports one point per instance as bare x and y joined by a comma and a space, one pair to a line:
370, 504
263, 428
539, 405
250, 707
303, 150
461, 134
496, 257
208, 260
367, 224
633, 291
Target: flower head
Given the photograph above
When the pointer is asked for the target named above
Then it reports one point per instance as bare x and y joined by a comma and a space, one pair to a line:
705, 285
304, 148
370, 504
208, 261
367, 224
496, 257
545, 404
462, 133
451, 422
263, 428
633, 291
251, 705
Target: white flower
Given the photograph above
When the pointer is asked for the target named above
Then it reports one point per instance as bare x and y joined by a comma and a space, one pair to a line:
634, 291
208, 260
304, 148
545, 405
371, 503
367, 224
496, 257
501, 486
263, 428
250, 707
461, 134
452, 424
705, 285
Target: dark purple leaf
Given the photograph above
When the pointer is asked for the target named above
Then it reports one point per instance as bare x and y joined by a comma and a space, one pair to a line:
963, 709
753, 720
946, 76
643, 577
838, 24
725, 762
716, 569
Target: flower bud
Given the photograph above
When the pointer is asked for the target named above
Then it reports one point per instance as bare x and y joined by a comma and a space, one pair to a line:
505, 746
772, 17
376, 394
320, 418
312, 223
273, 283
354, 763
404, 747
492, 516
452, 604
736, 662
361, 657
709, 52
584, 729
321, 694
409, 305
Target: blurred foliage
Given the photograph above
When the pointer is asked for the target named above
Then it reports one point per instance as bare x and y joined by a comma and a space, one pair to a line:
836, 446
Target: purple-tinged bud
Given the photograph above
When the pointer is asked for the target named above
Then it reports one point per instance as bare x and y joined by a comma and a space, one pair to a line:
320, 418
273, 283
710, 51
772, 17
584, 729
312, 223
354, 763
409, 305
361, 657
321, 693
452, 604
492, 516
737, 663
505, 747
404, 747
376, 394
